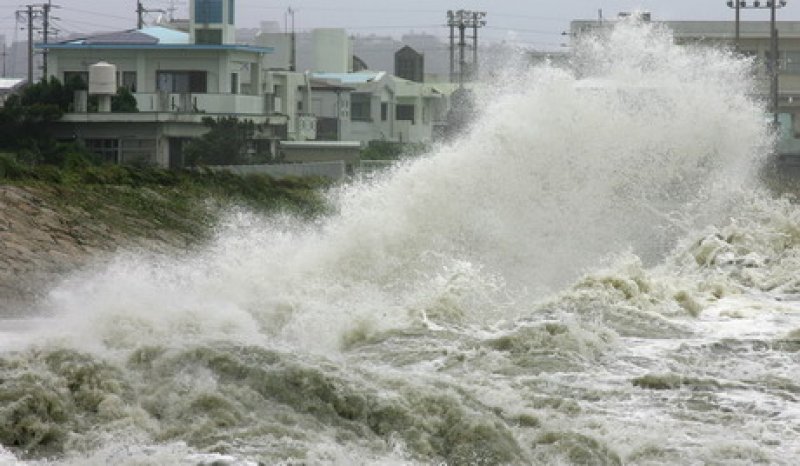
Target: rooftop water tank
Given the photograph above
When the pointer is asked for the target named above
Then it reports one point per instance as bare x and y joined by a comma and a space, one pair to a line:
102, 79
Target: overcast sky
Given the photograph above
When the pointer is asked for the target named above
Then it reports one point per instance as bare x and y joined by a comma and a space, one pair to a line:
534, 23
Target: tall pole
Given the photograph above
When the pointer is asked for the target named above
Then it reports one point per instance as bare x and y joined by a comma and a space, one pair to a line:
30, 44
45, 33
462, 19
774, 53
461, 44
139, 15
452, 24
475, 45
293, 44
773, 66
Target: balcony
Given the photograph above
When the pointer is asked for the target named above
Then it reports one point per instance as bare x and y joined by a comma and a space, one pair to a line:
211, 104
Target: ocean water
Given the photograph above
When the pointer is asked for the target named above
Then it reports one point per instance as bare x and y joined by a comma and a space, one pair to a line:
593, 274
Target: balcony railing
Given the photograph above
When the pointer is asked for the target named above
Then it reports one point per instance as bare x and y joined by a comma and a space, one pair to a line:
201, 103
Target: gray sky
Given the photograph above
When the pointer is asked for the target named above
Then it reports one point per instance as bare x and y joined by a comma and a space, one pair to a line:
535, 23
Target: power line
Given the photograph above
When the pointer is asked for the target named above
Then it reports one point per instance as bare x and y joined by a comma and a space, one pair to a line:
141, 10
95, 13
525, 31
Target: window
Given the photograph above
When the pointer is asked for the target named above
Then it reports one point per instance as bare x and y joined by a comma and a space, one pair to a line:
792, 62
138, 150
231, 11
208, 11
360, 107
234, 83
405, 112
108, 149
384, 111
128, 80
208, 36
181, 81
768, 61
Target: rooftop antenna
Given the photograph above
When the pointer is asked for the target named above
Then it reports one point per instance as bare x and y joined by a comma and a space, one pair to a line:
172, 8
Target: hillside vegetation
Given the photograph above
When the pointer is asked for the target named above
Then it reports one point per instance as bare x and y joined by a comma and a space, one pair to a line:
54, 219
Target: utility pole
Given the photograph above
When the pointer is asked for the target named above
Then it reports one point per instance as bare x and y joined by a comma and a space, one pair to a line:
292, 39
141, 10
452, 23
461, 44
477, 21
773, 37
774, 63
171, 10
462, 19
45, 35
30, 44
139, 15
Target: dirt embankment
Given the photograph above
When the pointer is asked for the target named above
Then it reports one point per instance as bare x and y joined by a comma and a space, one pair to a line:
44, 236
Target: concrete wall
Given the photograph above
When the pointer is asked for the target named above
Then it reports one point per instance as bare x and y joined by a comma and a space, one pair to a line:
280, 42
320, 152
334, 170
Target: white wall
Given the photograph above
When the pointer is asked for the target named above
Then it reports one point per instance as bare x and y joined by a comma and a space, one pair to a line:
332, 51
146, 63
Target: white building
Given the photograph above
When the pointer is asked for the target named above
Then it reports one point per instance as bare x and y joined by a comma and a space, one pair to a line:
178, 79
373, 106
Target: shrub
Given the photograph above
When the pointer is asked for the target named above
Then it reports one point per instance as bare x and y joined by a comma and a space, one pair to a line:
11, 169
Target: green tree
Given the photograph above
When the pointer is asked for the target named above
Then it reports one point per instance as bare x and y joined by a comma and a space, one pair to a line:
224, 144
124, 101
26, 118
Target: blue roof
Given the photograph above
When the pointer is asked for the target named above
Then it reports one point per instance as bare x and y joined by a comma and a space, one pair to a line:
351, 78
148, 38
166, 35
188, 47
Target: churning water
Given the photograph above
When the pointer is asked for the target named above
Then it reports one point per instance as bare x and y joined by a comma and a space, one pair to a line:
590, 276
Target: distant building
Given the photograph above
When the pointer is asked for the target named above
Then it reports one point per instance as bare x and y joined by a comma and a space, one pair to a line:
409, 64
17, 61
754, 41
333, 51
374, 106
9, 87
4, 55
